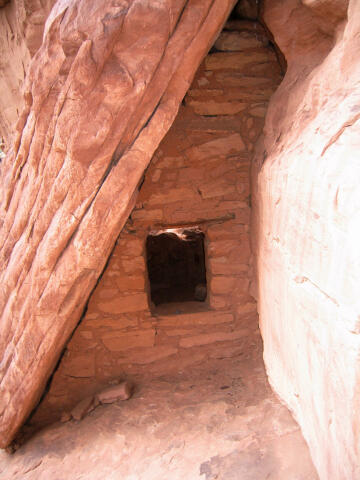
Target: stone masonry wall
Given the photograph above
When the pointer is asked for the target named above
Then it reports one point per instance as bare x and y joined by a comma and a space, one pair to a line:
199, 176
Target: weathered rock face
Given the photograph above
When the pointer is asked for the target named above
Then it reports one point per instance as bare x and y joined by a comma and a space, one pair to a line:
307, 221
99, 98
98, 101
21, 28
198, 177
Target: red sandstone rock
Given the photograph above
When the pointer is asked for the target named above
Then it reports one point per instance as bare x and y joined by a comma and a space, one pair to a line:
237, 60
21, 28
220, 146
310, 327
70, 183
216, 108
84, 407
113, 394
121, 391
82, 366
65, 417
125, 341
238, 41
127, 303
201, 154
222, 284
150, 355
207, 338
245, 26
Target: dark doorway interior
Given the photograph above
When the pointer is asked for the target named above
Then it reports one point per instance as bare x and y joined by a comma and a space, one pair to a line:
176, 266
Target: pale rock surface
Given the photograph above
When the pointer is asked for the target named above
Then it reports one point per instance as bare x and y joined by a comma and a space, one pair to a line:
307, 222
70, 183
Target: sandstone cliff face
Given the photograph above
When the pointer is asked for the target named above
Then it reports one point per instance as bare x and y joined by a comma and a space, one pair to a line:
307, 221
99, 98
21, 28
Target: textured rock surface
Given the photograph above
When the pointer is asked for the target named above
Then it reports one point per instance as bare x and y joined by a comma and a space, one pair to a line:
199, 175
65, 176
21, 28
218, 420
115, 393
308, 221
69, 183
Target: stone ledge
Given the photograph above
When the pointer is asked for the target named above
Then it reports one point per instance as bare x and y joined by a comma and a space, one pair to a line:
116, 342
128, 303
199, 318
206, 338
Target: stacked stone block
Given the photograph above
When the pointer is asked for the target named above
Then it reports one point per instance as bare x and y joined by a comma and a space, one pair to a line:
199, 176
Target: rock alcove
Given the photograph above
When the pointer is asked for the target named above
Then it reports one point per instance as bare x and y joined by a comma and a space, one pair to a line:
81, 176
136, 325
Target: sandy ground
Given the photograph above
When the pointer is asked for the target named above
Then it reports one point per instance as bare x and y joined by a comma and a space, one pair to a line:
218, 420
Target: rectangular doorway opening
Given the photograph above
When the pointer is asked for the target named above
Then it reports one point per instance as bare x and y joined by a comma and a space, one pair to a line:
176, 265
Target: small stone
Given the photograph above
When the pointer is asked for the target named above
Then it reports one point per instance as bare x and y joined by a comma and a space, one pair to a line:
65, 417
113, 394
200, 292
83, 408
10, 449
203, 81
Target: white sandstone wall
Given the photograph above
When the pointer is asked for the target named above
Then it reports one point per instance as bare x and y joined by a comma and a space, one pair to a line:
307, 231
